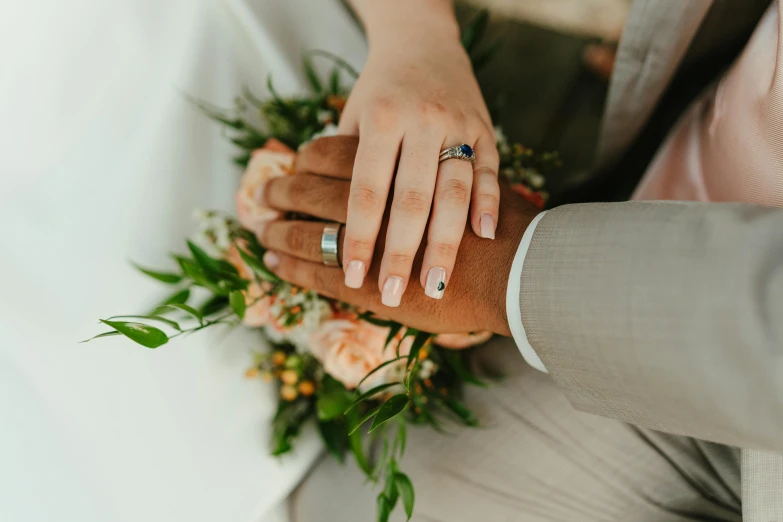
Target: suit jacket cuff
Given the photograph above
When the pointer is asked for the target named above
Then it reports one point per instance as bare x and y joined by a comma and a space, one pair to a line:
513, 297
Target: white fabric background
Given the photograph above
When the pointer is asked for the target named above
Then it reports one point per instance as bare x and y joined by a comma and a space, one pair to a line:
101, 161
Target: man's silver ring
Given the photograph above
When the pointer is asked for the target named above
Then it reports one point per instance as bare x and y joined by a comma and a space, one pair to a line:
329, 244
463, 152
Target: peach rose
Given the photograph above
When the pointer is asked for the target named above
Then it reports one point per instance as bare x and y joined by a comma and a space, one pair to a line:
458, 341
349, 350
273, 160
258, 312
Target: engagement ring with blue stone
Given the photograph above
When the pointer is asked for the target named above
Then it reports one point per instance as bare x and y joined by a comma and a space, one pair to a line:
463, 152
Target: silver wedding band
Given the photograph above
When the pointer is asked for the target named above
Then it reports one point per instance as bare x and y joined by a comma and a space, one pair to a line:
462, 152
329, 244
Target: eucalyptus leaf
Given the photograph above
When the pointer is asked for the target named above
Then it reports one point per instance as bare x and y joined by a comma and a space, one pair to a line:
384, 508
393, 331
418, 342
177, 297
356, 443
163, 277
335, 437
184, 308
371, 393
389, 409
405, 487
237, 301
379, 367
312, 76
158, 318
333, 400
364, 419
143, 334
105, 334
334, 81
215, 304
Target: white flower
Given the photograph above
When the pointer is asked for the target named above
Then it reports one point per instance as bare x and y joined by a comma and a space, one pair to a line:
427, 369
214, 232
502, 140
325, 117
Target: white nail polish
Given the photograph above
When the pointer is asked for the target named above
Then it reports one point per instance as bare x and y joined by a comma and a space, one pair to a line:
435, 284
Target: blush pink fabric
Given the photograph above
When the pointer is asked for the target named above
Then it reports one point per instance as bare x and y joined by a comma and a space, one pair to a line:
729, 145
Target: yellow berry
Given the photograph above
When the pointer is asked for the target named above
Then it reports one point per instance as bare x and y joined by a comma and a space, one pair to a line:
267, 377
288, 393
278, 358
306, 388
289, 377
251, 373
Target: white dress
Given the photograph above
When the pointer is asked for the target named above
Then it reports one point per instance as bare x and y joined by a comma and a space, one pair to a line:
102, 162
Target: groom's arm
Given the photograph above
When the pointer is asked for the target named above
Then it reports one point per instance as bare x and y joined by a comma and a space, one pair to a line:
666, 315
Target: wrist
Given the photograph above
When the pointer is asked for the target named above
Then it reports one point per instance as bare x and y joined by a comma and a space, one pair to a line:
408, 22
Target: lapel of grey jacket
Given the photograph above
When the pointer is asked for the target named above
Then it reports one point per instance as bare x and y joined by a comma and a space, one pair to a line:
656, 37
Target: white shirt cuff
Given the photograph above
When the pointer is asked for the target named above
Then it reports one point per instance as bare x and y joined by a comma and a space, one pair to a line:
513, 310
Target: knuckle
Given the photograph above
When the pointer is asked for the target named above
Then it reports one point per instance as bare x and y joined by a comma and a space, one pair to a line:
399, 260
485, 171
443, 249
455, 191
366, 198
359, 247
412, 201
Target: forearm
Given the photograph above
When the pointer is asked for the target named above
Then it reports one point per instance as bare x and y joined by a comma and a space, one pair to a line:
663, 314
403, 22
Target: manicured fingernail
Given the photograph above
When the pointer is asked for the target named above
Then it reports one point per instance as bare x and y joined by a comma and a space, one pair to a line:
392, 291
487, 226
436, 282
354, 274
271, 259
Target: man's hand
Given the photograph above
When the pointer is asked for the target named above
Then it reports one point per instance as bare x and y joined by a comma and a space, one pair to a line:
476, 299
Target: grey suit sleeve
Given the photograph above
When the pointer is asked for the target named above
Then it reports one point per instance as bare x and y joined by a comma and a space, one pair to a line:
667, 315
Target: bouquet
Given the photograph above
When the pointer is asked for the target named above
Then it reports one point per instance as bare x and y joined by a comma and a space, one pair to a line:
361, 378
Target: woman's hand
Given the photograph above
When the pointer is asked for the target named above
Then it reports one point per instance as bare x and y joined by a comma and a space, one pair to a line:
320, 188
416, 96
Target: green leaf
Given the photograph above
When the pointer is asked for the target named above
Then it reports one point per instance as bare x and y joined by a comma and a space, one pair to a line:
335, 437
334, 81
164, 277
258, 266
169, 322
337, 61
453, 359
333, 399
393, 331
390, 488
210, 264
461, 411
178, 297
364, 419
105, 334
356, 443
475, 30
389, 410
402, 437
405, 487
312, 76
374, 320
418, 342
143, 334
380, 366
215, 304
237, 300
384, 508
184, 308
481, 59
370, 393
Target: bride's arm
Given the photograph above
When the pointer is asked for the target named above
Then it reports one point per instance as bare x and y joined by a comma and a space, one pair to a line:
416, 96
